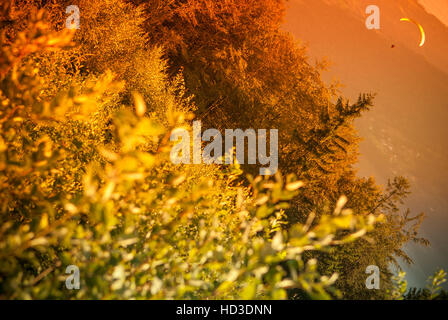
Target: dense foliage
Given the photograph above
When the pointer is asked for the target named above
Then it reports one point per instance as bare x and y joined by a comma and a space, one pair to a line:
86, 177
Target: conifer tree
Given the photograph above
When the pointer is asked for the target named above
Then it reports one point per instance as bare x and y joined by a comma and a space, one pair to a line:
245, 72
86, 180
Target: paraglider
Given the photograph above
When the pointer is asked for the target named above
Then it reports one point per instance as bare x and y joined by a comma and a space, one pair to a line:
422, 31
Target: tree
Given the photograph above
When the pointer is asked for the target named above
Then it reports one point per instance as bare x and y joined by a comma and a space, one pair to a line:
86, 180
251, 74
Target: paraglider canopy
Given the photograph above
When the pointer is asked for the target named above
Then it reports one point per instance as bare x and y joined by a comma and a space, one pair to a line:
422, 31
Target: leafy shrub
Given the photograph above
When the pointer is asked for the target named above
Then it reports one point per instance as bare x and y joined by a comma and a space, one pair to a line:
86, 180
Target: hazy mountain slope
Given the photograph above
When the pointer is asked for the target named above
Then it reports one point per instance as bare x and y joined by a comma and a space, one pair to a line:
406, 133
438, 8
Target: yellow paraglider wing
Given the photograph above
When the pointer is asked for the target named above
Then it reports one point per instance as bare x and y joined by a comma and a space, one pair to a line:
422, 31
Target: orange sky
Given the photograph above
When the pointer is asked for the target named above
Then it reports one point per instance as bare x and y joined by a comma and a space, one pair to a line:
439, 8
